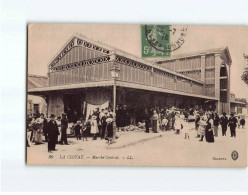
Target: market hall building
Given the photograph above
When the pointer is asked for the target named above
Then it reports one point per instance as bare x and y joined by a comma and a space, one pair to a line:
85, 74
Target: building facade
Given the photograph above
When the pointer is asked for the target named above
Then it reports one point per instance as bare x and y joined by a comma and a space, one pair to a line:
81, 74
36, 104
237, 106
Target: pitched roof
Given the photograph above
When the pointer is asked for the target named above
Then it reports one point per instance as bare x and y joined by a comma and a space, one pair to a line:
37, 81
224, 51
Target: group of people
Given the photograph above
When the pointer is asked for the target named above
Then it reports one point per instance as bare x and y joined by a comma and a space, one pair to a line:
100, 124
97, 124
206, 123
51, 129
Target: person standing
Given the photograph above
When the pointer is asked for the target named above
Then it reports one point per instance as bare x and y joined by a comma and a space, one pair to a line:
94, 127
109, 127
202, 127
147, 120
104, 125
233, 124
178, 122
39, 124
197, 119
155, 122
52, 132
44, 126
77, 130
173, 119
242, 122
97, 114
58, 121
209, 129
216, 124
64, 126
224, 123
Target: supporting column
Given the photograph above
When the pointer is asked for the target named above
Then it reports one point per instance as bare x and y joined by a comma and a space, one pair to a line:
152, 76
218, 62
228, 106
175, 83
114, 111
203, 72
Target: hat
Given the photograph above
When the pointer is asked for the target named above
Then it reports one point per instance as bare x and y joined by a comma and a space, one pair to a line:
52, 116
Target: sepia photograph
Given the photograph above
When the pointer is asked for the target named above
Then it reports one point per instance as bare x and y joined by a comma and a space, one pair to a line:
136, 95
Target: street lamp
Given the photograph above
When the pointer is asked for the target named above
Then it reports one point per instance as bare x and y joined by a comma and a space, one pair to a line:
114, 74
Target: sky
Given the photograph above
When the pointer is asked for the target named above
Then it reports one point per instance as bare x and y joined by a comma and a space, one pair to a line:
45, 40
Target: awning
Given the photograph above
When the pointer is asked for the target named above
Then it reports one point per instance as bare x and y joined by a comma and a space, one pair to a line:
44, 90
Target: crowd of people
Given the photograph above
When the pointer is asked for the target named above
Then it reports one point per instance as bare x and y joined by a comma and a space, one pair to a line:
206, 122
100, 124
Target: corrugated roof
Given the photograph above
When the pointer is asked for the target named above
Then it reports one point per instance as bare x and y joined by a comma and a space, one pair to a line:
38, 81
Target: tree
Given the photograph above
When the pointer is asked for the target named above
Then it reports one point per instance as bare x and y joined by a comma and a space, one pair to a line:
244, 76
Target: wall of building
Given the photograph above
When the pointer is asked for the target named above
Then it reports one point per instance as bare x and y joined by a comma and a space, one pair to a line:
32, 99
135, 72
205, 67
55, 104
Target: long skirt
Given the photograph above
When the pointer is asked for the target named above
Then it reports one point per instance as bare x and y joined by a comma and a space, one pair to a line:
155, 126
109, 131
209, 135
201, 130
94, 127
38, 136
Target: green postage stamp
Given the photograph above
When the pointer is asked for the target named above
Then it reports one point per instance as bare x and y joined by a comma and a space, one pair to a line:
161, 40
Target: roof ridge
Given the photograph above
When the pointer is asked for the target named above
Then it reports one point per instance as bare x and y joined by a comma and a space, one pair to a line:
108, 45
38, 76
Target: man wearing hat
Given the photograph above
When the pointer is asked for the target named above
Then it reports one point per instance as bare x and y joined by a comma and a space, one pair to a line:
52, 132
216, 124
64, 126
233, 124
224, 123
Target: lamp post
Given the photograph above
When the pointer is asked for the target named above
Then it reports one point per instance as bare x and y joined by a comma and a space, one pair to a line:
114, 74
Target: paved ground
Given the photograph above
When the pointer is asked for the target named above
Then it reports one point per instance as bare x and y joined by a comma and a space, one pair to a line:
137, 148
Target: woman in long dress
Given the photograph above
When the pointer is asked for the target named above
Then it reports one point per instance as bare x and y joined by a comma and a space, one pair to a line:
38, 130
155, 122
178, 123
109, 128
209, 130
202, 127
94, 127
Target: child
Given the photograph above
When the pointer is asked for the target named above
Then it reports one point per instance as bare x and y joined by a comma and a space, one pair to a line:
85, 129
185, 125
242, 122
164, 123
77, 130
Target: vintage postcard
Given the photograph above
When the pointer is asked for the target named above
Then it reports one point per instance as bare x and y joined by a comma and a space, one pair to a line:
137, 95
